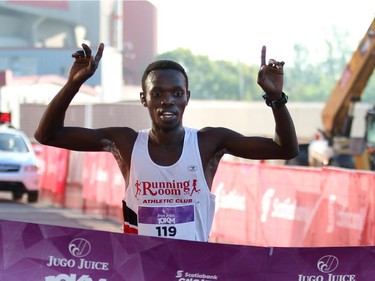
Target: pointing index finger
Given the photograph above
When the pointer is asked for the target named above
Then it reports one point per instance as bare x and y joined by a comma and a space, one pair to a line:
263, 56
99, 52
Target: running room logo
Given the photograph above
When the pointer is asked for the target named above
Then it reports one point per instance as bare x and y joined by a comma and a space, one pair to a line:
166, 188
327, 265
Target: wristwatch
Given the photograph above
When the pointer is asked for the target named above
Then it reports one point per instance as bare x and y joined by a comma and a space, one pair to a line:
276, 103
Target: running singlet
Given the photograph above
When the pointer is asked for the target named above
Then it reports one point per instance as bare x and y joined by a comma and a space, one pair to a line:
168, 201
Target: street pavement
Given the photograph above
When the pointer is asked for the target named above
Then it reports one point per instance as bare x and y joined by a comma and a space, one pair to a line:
44, 212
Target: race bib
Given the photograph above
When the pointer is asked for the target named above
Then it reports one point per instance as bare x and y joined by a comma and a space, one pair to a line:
168, 221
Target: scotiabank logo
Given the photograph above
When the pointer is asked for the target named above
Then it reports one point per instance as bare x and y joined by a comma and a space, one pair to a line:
327, 263
182, 275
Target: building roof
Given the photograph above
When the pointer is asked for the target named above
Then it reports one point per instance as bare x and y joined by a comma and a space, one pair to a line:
47, 79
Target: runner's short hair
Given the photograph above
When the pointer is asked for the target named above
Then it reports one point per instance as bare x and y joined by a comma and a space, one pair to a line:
163, 64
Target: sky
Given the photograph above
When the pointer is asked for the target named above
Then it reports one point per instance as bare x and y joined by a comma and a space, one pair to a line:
235, 30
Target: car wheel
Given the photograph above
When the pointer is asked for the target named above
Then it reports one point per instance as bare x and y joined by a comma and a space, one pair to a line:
17, 195
32, 196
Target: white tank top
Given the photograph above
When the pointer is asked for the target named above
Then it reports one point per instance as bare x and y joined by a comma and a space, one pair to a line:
168, 201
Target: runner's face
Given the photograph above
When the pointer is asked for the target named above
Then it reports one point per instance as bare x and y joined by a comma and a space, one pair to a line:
166, 97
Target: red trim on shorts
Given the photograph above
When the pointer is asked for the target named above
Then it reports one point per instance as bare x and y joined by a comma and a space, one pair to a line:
130, 230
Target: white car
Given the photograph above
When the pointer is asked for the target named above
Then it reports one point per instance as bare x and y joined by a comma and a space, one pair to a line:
19, 171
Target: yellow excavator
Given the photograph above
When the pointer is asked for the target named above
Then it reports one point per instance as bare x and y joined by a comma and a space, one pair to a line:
336, 146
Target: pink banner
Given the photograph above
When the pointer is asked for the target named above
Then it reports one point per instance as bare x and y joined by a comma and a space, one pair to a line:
34, 252
54, 168
304, 206
102, 179
346, 213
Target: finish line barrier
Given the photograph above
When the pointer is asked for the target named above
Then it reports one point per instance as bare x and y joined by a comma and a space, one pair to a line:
306, 207
36, 252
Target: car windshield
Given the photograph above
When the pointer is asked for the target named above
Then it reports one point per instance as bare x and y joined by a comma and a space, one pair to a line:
12, 143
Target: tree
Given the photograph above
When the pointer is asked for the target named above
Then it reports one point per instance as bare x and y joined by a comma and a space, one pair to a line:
216, 79
305, 80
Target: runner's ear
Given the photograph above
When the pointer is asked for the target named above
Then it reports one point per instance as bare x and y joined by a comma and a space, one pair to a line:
188, 97
142, 96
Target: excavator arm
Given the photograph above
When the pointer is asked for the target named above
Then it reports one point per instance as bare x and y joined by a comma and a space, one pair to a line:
337, 112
